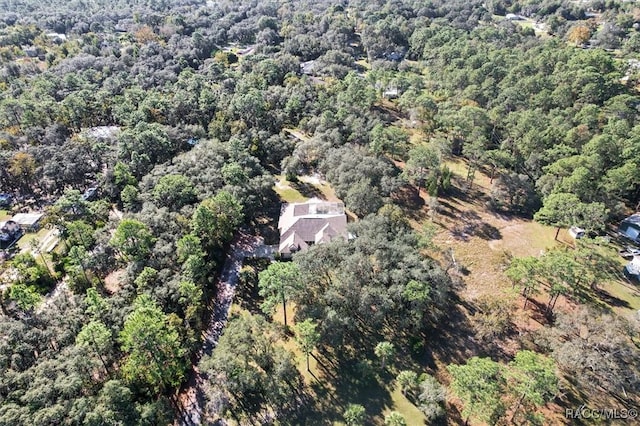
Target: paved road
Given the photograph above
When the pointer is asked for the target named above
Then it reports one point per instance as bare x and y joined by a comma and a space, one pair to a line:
191, 398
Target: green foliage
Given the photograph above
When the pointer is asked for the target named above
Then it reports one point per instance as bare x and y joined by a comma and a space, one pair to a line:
146, 279
250, 369
394, 419
529, 381
355, 415
113, 405
376, 280
280, 282
389, 140
133, 239
478, 383
174, 191
129, 197
307, 337
26, 297
155, 357
362, 200
524, 271
541, 118
98, 338
96, 304
385, 351
215, 219
408, 382
423, 166
123, 176
565, 209
31, 273
531, 378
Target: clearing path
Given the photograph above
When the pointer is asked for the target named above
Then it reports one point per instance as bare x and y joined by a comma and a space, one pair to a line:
191, 397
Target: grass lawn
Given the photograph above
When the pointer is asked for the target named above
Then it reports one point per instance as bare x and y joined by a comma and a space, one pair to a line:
287, 193
626, 294
306, 187
4, 215
25, 241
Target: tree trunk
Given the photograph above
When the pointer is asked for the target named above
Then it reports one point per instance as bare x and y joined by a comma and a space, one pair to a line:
557, 232
515, 410
284, 306
46, 265
552, 303
308, 369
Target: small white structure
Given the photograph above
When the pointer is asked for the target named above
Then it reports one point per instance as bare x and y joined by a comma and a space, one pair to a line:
576, 232
29, 222
514, 17
633, 267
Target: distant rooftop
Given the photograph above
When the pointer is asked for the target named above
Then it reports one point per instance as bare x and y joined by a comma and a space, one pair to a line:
27, 219
102, 132
634, 219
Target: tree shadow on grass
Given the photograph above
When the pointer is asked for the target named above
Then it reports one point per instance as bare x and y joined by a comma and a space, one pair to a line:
609, 299
353, 385
247, 288
454, 340
307, 189
471, 225
408, 196
264, 222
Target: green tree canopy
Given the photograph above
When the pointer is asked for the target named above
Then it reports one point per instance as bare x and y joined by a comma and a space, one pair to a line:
307, 337
565, 209
215, 219
385, 351
280, 282
355, 415
133, 239
155, 356
531, 378
478, 383
174, 191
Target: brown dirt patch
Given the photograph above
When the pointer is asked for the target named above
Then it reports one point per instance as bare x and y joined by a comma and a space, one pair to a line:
113, 281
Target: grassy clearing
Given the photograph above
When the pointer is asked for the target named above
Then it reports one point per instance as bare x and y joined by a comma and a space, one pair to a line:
286, 193
25, 241
482, 242
306, 187
4, 215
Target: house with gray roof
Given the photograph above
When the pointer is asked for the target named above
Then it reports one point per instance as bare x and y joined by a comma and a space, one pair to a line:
29, 222
630, 227
316, 221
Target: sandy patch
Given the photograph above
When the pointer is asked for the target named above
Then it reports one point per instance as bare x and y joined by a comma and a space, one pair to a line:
113, 281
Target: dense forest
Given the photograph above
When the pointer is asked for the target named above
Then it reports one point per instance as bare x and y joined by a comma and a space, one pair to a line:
151, 132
